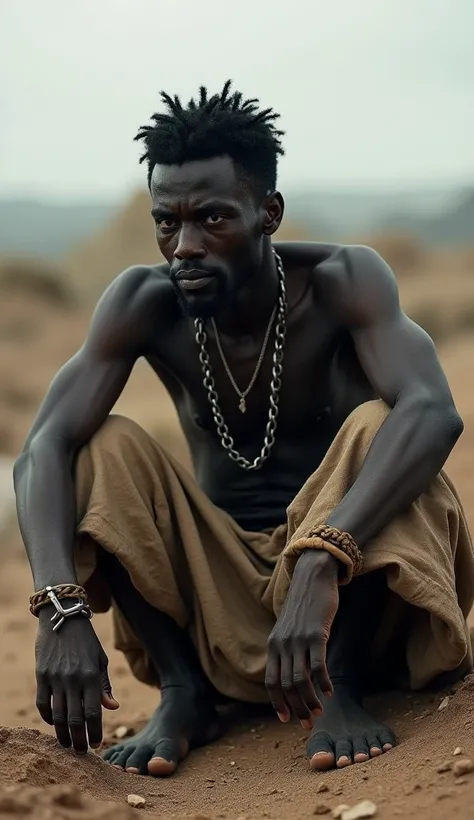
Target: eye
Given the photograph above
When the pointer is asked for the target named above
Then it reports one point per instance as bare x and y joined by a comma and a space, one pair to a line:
166, 224
213, 219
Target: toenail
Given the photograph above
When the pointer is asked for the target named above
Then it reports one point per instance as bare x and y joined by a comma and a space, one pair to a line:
387, 747
132, 770
344, 760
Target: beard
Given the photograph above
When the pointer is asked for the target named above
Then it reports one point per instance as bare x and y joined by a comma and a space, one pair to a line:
196, 304
202, 306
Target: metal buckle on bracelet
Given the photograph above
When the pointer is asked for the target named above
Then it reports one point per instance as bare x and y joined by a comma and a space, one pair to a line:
61, 614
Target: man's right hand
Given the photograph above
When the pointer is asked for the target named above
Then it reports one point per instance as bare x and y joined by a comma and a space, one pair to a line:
72, 681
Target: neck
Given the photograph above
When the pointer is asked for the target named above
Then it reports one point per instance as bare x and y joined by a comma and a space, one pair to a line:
253, 307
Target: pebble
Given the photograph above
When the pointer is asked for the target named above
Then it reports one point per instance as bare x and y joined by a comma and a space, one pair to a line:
339, 810
136, 801
444, 767
323, 787
321, 808
457, 751
461, 767
122, 731
443, 704
361, 810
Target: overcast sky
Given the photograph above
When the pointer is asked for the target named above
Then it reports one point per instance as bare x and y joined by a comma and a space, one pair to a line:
369, 90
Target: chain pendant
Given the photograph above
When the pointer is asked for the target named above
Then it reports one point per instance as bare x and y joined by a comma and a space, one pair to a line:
242, 405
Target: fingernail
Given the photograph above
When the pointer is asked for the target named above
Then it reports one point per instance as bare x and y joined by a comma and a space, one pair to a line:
306, 724
284, 718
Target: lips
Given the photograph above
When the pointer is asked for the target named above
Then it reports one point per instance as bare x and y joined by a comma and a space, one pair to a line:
193, 279
194, 284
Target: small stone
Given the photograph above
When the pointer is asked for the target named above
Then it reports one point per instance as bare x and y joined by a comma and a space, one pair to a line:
136, 801
361, 810
461, 767
457, 751
232, 762
444, 767
321, 808
337, 791
443, 704
339, 811
460, 781
123, 731
323, 787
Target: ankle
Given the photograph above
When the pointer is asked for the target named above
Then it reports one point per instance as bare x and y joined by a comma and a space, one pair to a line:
350, 685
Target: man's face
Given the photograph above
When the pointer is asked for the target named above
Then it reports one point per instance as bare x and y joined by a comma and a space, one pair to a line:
209, 228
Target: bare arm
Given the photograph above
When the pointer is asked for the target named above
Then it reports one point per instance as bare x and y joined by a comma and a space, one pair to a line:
406, 454
401, 363
77, 403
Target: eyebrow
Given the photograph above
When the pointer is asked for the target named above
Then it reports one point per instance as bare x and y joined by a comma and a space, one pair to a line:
204, 207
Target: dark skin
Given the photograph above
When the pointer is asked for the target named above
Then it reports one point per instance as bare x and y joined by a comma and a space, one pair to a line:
347, 341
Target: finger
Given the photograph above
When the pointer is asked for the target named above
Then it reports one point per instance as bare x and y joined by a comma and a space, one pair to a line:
76, 720
289, 689
108, 700
93, 713
318, 669
60, 717
310, 703
43, 701
273, 687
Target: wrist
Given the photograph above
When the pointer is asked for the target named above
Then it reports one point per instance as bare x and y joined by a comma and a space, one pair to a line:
315, 560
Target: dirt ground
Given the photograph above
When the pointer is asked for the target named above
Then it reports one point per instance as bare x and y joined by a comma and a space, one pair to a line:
258, 769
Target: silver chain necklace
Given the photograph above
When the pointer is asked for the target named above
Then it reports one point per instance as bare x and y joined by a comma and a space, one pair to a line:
244, 393
275, 384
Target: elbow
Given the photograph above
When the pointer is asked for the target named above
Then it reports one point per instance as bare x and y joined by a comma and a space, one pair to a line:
447, 422
456, 425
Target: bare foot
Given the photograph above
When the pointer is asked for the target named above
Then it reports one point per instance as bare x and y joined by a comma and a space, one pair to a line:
181, 722
346, 734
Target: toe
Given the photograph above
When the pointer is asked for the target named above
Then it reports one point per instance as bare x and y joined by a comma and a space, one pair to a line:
165, 758
121, 758
387, 740
138, 760
344, 753
374, 746
110, 753
360, 749
321, 751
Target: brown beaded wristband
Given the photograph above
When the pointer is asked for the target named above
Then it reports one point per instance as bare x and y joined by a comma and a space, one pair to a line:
41, 598
340, 544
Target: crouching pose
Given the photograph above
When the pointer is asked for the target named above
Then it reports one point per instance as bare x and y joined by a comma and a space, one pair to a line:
318, 552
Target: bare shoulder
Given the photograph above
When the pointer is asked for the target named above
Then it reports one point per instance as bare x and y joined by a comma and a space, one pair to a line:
358, 284
138, 300
135, 288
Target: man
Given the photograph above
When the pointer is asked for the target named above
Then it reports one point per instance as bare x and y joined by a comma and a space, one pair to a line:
320, 552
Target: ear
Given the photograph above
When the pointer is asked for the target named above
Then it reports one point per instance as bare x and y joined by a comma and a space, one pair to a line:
273, 207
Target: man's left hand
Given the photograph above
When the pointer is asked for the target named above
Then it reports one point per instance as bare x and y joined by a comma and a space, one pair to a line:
296, 663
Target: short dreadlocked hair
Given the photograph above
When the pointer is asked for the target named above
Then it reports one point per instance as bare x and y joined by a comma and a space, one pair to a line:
222, 125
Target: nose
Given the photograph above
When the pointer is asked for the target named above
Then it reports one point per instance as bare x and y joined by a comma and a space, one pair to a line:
189, 245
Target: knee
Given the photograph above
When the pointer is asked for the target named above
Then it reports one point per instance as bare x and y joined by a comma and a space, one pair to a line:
116, 429
367, 418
